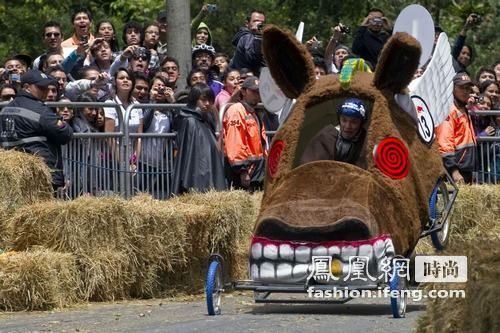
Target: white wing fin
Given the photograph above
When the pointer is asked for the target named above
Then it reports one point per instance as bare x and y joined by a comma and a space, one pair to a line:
435, 86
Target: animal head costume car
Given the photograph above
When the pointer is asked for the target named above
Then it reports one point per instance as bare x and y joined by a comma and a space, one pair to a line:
375, 207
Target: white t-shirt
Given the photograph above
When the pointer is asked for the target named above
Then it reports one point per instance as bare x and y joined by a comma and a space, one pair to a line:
136, 115
154, 149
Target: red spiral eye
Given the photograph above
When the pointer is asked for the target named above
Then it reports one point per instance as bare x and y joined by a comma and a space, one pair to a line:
274, 157
391, 158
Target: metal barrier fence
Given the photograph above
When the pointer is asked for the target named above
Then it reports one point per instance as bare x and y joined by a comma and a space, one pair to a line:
127, 163
121, 162
488, 150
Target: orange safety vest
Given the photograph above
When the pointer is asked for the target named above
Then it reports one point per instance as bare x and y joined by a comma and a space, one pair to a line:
245, 139
457, 141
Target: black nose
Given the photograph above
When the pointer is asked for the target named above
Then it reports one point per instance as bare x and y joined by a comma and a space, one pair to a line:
344, 230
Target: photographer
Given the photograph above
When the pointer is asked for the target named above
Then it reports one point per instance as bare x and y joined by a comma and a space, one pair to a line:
462, 53
133, 57
248, 42
372, 35
335, 52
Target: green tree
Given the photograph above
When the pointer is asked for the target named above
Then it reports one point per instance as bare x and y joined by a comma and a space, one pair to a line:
21, 21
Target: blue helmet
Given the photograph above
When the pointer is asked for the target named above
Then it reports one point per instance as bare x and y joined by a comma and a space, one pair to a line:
353, 107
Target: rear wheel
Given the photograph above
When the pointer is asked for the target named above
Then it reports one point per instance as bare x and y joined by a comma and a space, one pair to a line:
437, 205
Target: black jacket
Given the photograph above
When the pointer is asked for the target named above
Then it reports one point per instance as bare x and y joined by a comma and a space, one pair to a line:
26, 124
199, 162
368, 45
248, 53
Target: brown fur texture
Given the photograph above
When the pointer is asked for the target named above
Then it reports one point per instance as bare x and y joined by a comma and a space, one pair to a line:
325, 192
397, 63
285, 58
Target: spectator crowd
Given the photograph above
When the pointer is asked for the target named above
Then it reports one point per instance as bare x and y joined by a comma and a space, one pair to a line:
96, 63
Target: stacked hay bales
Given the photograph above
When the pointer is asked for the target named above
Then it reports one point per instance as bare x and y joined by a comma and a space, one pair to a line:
24, 179
476, 234
37, 280
116, 242
141, 247
225, 228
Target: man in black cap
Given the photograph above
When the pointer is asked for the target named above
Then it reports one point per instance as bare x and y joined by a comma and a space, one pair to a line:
26, 124
455, 135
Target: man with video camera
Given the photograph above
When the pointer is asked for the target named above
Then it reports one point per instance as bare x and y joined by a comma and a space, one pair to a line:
248, 42
371, 36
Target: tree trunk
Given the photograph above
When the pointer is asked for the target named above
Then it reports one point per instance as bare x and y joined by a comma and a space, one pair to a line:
179, 36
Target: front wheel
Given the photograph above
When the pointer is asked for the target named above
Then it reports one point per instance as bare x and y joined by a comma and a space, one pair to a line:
398, 301
214, 288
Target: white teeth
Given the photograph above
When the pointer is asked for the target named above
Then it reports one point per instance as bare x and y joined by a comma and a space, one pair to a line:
286, 252
254, 271
379, 248
284, 271
389, 247
303, 254
333, 250
366, 250
257, 250
271, 252
267, 270
320, 251
348, 251
300, 271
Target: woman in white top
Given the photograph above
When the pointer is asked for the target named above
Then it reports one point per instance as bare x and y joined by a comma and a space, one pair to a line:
123, 87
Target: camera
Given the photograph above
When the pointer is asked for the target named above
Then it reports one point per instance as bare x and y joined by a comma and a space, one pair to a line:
162, 90
344, 29
478, 99
12, 77
477, 18
212, 8
260, 26
377, 21
141, 52
84, 39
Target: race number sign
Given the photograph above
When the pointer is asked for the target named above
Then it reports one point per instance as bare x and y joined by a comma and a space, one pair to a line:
425, 121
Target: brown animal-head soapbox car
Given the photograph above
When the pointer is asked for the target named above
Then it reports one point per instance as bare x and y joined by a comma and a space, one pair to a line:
325, 223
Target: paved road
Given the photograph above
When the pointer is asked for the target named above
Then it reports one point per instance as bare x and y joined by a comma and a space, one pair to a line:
239, 314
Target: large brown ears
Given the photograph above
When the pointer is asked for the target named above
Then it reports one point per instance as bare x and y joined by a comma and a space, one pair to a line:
397, 63
289, 62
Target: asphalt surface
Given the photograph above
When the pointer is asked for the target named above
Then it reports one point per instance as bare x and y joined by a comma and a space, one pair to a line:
239, 314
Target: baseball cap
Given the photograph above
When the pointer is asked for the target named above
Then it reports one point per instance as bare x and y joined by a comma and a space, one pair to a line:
251, 82
462, 79
38, 78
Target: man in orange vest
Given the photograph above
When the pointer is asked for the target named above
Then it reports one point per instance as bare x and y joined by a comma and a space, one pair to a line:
245, 140
456, 138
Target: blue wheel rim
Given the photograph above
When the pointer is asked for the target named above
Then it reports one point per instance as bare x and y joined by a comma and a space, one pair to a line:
396, 301
212, 308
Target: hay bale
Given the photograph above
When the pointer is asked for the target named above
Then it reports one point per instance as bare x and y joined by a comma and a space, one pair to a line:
37, 280
476, 234
478, 312
106, 275
25, 179
225, 228
79, 226
149, 233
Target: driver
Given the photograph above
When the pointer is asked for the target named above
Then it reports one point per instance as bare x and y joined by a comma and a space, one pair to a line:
343, 143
